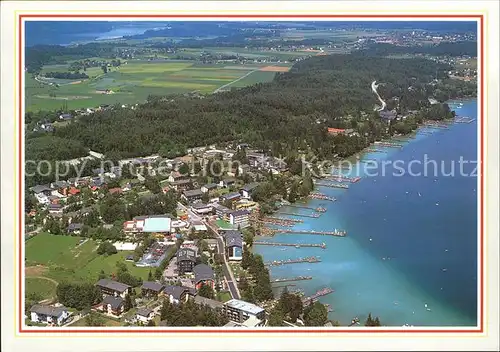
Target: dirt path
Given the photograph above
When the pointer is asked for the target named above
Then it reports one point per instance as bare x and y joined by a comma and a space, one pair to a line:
44, 278
236, 80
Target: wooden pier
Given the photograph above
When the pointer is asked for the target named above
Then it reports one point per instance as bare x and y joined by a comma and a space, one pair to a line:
338, 233
321, 196
389, 144
323, 292
293, 261
341, 178
318, 209
314, 215
296, 245
464, 119
278, 219
291, 279
374, 150
332, 185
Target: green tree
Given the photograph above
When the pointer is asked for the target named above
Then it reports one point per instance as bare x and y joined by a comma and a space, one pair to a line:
128, 303
206, 291
315, 314
94, 319
276, 317
150, 276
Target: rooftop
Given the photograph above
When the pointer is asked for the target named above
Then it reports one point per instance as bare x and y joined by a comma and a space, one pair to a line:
112, 285
151, 285
250, 186
114, 302
47, 310
240, 212
203, 272
234, 238
244, 306
193, 193
144, 312
186, 254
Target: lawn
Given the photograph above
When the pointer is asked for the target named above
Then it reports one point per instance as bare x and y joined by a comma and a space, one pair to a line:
133, 82
48, 249
63, 261
223, 296
108, 264
45, 288
107, 321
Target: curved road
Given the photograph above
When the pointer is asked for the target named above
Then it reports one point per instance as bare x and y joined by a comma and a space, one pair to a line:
374, 89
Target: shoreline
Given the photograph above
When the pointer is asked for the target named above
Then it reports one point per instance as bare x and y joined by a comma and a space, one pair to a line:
432, 299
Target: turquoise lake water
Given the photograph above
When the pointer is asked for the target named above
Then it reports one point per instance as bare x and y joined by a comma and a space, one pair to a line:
424, 226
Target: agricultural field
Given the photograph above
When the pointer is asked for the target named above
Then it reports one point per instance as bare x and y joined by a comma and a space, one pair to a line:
133, 82
62, 258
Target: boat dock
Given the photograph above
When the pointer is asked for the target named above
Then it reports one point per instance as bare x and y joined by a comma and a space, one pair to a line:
319, 209
278, 219
313, 215
323, 292
291, 279
464, 119
374, 150
332, 185
338, 233
293, 261
296, 245
436, 125
321, 196
389, 144
340, 178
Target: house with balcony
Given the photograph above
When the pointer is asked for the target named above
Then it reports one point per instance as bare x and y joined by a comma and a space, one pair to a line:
48, 314
203, 275
113, 288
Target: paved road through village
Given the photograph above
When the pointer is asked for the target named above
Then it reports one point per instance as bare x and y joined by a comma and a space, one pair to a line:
228, 274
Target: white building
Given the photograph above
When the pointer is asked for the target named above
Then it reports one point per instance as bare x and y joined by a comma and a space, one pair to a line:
48, 314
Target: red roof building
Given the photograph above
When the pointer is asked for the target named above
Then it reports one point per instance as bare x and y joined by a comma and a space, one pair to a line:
73, 191
117, 190
335, 131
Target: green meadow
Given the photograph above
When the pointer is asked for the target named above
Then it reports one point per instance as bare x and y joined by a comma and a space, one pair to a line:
134, 81
51, 259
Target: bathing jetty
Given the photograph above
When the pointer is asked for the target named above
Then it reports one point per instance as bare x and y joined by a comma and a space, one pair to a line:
341, 178
296, 245
332, 185
464, 119
281, 220
338, 233
436, 125
375, 150
321, 196
389, 144
312, 259
319, 209
291, 279
313, 215
323, 292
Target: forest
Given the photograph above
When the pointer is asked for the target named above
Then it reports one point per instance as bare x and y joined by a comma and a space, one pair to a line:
290, 113
66, 75
463, 48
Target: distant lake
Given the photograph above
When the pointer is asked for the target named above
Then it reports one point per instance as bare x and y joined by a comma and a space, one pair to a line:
119, 30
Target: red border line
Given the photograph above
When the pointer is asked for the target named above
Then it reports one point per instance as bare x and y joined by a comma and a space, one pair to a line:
246, 331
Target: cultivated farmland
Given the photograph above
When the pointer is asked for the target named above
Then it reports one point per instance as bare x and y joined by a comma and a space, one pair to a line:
134, 81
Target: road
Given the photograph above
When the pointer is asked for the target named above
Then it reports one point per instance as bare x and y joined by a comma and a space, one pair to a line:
228, 273
374, 89
236, 80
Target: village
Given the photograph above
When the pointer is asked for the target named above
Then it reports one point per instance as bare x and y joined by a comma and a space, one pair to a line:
198, 251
